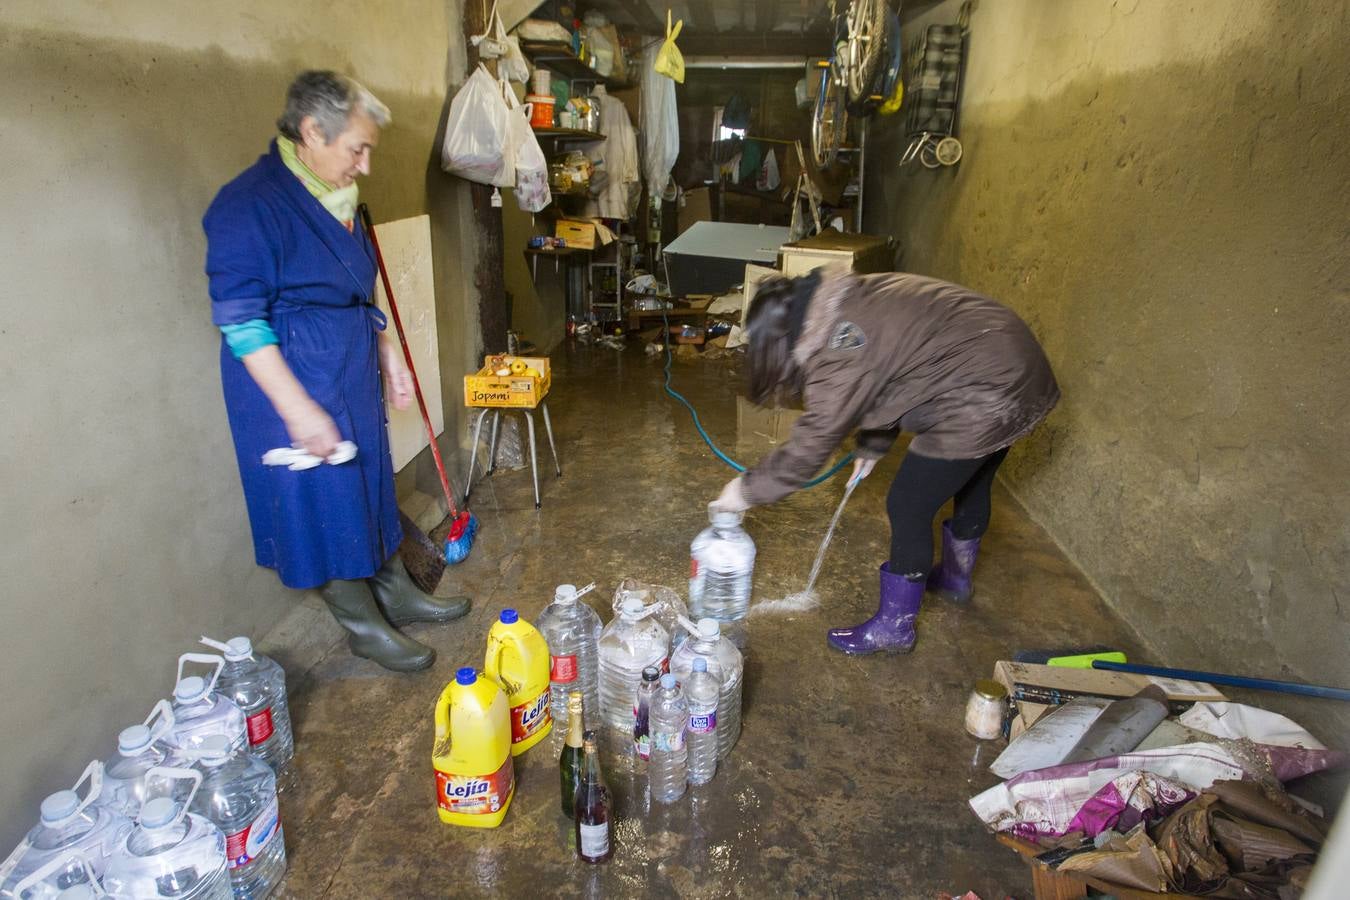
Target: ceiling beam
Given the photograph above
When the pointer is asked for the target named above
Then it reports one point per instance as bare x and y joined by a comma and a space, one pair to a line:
755, 43
704, 19
766, 14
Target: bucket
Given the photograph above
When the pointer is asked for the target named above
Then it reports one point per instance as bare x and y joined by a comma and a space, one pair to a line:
475, 778
541, 110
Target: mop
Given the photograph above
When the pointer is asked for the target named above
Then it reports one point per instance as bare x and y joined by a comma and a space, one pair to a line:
804, 601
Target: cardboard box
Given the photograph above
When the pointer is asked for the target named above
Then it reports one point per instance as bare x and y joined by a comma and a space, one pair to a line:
1091, 683
757, 423
583, 234
485, 388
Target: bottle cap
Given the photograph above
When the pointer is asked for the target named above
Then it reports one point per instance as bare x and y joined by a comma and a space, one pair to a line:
466, 675
668, 681
238, 648
509, 617
632, 607
709, 629
59, 806
651, 673
133, 740
158, 812
189, 689
700, 664
214, 750
564, 593
574, 700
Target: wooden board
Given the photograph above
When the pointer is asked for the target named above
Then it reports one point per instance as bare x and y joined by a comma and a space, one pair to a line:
406, 246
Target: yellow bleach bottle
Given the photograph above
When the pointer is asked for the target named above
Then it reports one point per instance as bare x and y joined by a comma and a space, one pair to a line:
475, 774
518, 660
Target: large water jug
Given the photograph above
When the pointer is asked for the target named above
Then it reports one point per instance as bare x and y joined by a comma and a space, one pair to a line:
257, 685
721, 568
139, 749
69, 829
171, 852
238, 794
199, 711
631, 642
572, 630
726, 663
69, 876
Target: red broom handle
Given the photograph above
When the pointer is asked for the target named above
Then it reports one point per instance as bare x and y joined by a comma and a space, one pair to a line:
407, 356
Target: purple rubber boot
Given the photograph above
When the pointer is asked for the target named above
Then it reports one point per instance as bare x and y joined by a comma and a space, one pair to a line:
891, 630
951, 578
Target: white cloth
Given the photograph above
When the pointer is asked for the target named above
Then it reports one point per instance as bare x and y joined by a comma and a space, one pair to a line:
614, 184
660, 124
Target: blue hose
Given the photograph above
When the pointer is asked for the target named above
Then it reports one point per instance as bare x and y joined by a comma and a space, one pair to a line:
848, 458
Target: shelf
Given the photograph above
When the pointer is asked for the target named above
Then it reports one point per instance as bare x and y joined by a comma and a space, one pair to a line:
558, 56
567, 134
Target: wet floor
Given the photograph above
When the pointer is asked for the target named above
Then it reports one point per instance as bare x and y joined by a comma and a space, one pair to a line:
852, 774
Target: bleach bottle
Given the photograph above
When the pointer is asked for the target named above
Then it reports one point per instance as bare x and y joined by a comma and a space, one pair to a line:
518, 660
475, 775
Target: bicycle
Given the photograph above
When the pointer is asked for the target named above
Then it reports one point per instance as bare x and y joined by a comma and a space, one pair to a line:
858, 76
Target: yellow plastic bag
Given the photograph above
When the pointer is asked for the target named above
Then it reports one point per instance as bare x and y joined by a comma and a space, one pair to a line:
669, 59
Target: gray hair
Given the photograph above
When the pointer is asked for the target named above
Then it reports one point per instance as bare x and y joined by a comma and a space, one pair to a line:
330, 98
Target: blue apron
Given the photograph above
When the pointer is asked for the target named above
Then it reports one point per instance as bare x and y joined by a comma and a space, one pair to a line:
274, 253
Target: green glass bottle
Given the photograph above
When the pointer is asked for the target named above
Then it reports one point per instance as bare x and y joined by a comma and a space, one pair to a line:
569, 762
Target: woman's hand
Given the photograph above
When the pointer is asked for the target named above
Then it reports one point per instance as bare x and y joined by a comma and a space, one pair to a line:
312, 428
398, 383
861, 469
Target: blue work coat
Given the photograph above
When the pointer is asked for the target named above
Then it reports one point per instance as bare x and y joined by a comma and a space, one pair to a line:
274, 253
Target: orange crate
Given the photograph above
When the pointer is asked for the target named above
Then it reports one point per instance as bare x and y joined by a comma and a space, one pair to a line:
484, 388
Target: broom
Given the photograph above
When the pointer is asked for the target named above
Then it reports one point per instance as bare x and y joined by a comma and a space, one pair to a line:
427, 563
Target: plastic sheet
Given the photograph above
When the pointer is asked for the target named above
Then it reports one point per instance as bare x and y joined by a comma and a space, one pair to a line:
660, 125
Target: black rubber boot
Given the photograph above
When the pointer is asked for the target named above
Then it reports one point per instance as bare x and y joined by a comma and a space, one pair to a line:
403, 603
368, 634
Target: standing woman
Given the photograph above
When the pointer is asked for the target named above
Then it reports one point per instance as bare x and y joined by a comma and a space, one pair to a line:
292, 278
883, 354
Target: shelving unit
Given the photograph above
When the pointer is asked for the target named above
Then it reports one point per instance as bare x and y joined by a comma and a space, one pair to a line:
563, 135
559, 57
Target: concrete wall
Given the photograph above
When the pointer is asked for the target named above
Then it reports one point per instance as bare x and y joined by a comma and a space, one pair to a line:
1159, 189
124, 534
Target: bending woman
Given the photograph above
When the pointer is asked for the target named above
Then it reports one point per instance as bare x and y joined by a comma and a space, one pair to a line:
292, 278
882, 354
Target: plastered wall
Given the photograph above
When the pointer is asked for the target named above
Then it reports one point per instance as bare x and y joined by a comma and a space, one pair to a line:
124, 532
1160, 190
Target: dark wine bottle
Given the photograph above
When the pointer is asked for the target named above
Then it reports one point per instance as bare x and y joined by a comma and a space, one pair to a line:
569, 762
642, 739
595, 839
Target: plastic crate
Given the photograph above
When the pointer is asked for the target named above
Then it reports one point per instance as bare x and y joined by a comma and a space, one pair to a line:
487, 389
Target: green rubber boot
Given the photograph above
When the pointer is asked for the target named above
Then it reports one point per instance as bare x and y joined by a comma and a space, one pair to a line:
369, 635
403, 603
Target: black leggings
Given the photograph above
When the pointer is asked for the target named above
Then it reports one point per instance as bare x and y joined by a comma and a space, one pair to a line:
921, 487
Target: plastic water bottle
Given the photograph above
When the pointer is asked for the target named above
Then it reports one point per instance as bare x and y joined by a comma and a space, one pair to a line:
138, 751
171, 852
629, 644
702, 692
726, 663
670, 715
70, 833
572, 630
642, 712
257, 685
66, 876
199, 712
239, 795
721, 568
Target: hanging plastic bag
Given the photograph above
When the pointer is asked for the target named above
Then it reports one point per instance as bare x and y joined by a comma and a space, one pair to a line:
660, 125
669, 59
477, 145
532, 193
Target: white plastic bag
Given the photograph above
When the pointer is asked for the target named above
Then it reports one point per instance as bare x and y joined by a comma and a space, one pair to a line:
477, 141
660, 125
532, 193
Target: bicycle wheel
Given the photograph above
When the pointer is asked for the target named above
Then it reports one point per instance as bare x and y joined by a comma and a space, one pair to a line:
866, 38
829, 122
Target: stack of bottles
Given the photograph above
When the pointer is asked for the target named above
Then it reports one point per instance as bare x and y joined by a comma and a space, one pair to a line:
185, 806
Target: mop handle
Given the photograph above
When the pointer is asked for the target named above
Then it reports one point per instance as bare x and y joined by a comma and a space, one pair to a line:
407, 356
1239, 681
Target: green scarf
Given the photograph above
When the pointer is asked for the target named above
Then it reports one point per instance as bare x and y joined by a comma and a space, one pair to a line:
341, 202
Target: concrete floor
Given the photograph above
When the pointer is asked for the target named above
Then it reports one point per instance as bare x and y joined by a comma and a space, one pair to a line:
851, 776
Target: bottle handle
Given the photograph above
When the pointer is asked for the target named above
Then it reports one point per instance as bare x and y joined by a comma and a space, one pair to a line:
217, 645
162, 716
171, 775
205, 659
56, 864
492, 666
93, 773
443, 713
689, 626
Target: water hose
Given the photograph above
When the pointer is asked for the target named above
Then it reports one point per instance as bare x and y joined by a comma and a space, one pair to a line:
819, 479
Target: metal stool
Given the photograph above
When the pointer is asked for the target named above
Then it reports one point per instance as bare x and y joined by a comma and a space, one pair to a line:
492, 445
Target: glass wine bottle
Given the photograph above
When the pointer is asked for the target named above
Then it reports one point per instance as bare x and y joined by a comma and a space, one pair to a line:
594, 837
